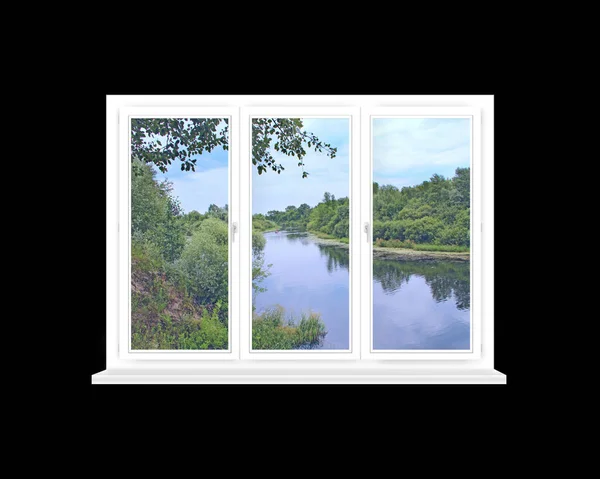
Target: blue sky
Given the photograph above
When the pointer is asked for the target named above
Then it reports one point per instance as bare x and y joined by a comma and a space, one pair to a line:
271, 191
408, 151
196, 190
209, 183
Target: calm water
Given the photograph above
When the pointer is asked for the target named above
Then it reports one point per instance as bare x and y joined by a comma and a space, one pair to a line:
307, 276
421, 305
416, 305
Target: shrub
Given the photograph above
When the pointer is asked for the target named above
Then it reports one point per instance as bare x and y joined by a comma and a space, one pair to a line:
271, 330
203, 265
206, 332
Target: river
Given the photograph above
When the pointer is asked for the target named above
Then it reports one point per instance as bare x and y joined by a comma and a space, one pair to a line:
416, 305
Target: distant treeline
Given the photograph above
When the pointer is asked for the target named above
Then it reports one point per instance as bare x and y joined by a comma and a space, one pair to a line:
331, 217
435, 212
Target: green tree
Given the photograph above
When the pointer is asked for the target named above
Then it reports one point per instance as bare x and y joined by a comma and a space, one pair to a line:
259, 270
436, 211
203, 263
290, 140
154, 212
462, 181
163, 141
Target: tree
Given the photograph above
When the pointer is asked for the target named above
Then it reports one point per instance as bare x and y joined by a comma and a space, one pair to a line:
290, 141
204, 263
162, 141
217, 212
260, 271
154, 212
462, 181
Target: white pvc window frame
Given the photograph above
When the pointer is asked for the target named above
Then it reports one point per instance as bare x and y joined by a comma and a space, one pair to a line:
246, 116
124, 231
367, 118
201, 367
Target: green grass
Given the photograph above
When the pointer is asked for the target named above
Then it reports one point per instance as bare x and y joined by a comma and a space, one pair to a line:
272, 330
408, 244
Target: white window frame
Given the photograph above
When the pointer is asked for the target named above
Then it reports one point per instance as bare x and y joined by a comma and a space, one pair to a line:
246, 116
368, 115
198, 368
124, 227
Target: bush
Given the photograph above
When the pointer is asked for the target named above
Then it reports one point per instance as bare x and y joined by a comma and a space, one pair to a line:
342, 229
154, 212
271, 330
260, 223
203, 265
207, 332
423, 230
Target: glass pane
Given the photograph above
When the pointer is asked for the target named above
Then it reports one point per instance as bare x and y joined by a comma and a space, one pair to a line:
300, 222
421, 233
179, 233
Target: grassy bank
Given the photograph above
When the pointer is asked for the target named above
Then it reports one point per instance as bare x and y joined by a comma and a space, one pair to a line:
408, 244
272, 330
403, 254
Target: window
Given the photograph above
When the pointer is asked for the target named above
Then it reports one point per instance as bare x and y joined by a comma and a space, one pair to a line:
424, 262
300, 299
334, 239
176, 177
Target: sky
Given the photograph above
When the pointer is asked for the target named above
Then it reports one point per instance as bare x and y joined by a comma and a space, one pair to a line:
196, 190
272, 191
408, 151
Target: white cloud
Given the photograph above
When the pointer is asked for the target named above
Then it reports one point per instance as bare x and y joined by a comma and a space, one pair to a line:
271, 191
197, 190
404, 144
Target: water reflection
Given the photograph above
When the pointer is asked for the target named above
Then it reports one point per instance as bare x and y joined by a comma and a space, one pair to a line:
416, 305
445, 279
335, 257
421, 305
301, 238
307, 276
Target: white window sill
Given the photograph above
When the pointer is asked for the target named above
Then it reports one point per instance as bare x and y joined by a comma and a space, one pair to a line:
374, 373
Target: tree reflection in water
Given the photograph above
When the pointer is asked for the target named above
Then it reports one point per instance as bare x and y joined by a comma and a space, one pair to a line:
300, 237
443, 278
337, 257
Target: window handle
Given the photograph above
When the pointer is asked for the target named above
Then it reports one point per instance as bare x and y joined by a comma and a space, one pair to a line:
234, 230
366, 229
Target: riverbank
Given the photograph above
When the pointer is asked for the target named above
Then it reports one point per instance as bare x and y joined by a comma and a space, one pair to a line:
398, 254
403, 254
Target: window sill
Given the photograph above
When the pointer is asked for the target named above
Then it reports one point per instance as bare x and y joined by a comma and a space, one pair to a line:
374, 373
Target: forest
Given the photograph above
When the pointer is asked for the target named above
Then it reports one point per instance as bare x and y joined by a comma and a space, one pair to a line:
431, 216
